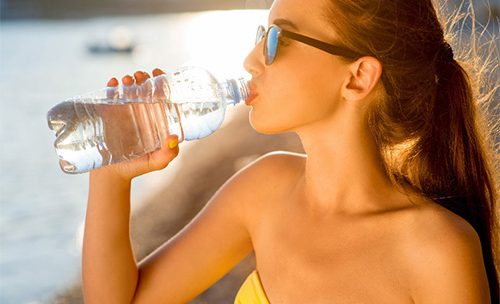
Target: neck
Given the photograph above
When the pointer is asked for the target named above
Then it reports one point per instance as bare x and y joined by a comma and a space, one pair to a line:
344, 172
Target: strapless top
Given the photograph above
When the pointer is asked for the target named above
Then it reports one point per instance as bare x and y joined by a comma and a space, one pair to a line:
251, 291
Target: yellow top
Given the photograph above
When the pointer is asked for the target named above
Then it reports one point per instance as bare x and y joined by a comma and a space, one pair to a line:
251, 292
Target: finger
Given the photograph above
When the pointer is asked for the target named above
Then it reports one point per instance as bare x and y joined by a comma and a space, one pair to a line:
112, 88
172, 141
161, 89
158, 114
139, 77
145, 86
129, 88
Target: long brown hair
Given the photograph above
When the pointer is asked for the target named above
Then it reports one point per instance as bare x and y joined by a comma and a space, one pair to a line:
430, 127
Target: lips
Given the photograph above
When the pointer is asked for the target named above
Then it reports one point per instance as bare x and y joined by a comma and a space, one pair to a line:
250, 98
252, 94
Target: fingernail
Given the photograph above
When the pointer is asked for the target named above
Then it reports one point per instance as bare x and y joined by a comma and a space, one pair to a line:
128, 80
113, 82
139, 77
157, 72
173, 143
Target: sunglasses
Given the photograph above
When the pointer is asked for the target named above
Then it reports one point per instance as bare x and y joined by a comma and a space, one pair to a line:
273, 36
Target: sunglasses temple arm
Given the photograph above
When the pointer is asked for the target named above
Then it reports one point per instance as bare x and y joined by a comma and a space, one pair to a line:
331, 49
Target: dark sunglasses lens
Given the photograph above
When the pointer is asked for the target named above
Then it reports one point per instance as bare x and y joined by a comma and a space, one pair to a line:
271, 45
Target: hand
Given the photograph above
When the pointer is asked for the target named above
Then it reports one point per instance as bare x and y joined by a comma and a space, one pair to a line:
152, 161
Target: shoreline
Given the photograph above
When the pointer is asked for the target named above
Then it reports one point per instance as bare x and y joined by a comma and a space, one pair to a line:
61, 10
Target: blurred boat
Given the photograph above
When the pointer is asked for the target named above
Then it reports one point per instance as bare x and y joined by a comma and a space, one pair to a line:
119, 40
103, 48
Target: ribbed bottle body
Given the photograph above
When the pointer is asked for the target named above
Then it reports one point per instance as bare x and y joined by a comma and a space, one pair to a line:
122, 123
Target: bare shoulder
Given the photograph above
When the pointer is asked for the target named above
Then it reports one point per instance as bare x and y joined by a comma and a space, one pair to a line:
275, 167
256, 183
268, 178
434, 220
445, 258
283, 160
442, 229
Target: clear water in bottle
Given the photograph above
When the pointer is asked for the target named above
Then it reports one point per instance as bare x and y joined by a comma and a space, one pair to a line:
92, 132
98, 134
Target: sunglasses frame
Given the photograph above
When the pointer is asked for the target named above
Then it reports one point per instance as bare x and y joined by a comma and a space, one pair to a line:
262, 34
327, 47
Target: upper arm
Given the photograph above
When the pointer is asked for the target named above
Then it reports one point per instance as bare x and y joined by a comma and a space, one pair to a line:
215, 241
449, 265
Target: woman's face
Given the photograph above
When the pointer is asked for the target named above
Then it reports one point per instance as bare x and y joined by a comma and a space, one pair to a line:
302, 85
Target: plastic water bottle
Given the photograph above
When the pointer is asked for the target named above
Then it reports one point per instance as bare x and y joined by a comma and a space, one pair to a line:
122, 123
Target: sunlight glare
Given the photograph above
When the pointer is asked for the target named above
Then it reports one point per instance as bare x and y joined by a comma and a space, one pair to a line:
220, 40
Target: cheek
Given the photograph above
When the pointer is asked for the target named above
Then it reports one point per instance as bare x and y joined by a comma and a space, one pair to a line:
293, 102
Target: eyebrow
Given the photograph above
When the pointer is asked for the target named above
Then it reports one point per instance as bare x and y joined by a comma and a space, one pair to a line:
284, 22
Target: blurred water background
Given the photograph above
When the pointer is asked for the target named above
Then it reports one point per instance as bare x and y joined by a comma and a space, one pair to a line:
44, 61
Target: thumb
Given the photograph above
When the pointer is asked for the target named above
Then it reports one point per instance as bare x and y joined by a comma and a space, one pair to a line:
161, 158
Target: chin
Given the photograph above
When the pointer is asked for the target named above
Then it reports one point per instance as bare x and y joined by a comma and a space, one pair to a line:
267, 126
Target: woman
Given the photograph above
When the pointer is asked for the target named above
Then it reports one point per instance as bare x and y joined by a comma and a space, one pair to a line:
392, 202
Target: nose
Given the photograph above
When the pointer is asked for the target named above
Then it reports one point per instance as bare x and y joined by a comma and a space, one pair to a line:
254, 63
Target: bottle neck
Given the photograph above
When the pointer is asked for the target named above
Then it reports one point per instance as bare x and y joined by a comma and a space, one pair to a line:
234, 91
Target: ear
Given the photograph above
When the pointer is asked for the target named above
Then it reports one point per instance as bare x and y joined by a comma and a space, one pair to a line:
363, 75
